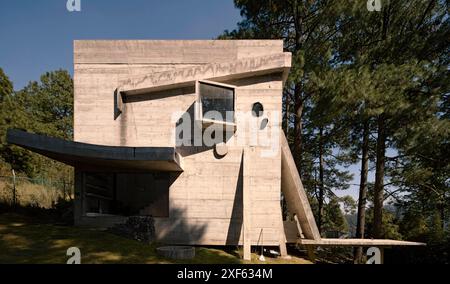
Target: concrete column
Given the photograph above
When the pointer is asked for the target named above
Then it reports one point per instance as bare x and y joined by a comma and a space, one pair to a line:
246, 200
283, 249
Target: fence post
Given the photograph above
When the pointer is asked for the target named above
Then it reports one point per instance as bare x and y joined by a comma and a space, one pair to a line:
14, 188
64, 189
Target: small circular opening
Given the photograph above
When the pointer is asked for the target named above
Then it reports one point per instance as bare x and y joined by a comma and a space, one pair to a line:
257, 109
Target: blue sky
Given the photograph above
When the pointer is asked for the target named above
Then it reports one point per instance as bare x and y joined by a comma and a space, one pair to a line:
37, 36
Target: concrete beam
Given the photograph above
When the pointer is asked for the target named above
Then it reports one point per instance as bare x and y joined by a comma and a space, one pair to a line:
183, 77
357, 242
98, 157
162, 52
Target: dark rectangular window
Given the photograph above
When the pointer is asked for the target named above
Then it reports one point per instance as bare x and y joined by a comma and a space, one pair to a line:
219, 99
127, 194
99, 192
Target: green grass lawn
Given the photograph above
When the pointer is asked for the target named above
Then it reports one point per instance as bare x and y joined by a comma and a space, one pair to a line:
24, 240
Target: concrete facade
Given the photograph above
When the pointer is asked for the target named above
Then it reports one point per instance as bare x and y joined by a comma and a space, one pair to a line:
157, 78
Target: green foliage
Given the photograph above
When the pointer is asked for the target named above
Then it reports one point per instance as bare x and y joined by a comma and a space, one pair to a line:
353, 68
390, 225
349, 205
334, 220
6, 86
44, 107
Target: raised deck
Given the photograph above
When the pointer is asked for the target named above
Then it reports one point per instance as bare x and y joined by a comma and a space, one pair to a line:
357, 243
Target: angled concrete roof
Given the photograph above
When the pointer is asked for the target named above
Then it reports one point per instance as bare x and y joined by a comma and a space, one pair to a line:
242, 68
98, 156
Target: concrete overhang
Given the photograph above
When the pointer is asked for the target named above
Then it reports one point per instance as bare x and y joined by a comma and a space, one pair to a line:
98, 157
219, 72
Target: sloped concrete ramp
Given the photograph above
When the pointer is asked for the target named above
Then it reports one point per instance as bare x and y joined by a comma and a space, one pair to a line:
292, 188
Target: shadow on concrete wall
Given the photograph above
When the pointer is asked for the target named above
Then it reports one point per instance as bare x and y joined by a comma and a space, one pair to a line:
235, 226
123, 106
237, 213
177, 229
159, 95
118, 103
195, 128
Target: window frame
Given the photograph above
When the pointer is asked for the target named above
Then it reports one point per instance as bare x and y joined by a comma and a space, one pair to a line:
199, 107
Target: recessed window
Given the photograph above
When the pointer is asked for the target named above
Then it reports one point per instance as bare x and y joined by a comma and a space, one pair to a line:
217, 102
257, 109
127, 194
215, 105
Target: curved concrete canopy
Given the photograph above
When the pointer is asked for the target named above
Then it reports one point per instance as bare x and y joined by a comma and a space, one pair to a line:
98, 157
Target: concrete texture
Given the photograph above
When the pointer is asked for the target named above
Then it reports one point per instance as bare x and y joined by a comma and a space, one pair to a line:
87, 155
219, 72
295, 194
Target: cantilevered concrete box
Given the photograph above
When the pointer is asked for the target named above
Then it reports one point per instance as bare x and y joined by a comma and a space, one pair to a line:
140, 106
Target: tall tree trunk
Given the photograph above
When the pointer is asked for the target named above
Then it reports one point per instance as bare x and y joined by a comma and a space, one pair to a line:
286, 116
298, 100
442, 213
298, 128
362, 191
378, 195
321, 182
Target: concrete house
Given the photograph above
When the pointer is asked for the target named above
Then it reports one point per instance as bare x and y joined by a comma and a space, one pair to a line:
188, 132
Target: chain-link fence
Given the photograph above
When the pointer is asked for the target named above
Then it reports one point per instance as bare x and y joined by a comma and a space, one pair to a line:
39, 192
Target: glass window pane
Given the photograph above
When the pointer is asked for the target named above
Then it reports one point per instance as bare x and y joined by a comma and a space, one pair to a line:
219, 99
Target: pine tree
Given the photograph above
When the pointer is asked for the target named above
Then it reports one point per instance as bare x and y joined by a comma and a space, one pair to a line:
400, 46
44, 107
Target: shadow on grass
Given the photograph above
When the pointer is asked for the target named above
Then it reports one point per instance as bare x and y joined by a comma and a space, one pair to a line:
33, 235
60, 213
24, 239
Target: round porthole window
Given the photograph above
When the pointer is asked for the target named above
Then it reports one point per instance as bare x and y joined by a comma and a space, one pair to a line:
257, 109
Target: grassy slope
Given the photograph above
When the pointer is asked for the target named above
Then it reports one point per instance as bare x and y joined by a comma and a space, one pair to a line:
24, 241
29, 193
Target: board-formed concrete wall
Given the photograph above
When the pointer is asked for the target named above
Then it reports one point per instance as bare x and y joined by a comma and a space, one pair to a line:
205, 201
